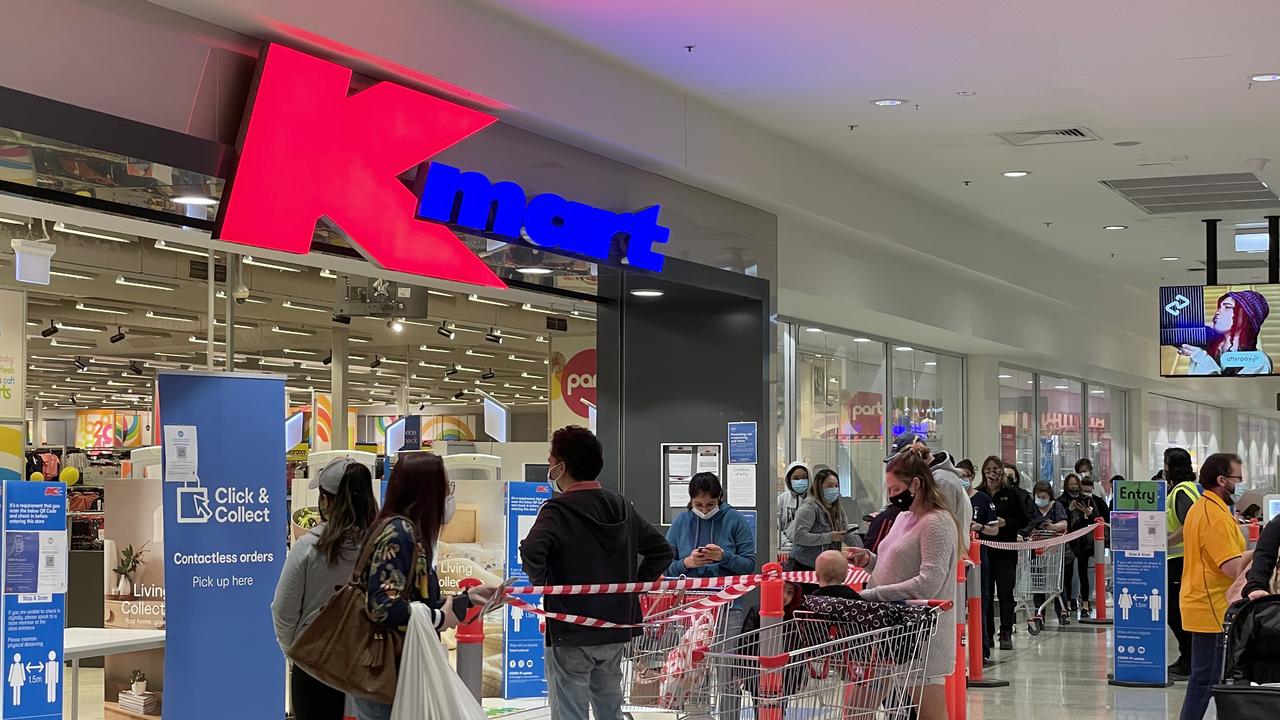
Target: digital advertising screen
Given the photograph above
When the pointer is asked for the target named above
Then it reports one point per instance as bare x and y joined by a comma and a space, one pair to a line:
1218, 330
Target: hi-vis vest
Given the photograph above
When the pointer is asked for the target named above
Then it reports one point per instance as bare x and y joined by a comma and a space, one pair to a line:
1189, 488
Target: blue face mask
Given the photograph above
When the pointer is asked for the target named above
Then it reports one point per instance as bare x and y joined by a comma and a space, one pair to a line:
800, 486
831, 495
1237, 492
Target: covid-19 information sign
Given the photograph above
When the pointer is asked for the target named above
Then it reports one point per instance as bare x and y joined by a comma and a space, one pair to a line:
523, 650
1139, 540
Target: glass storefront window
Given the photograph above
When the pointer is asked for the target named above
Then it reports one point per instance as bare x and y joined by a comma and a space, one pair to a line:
1107, 431
1259, 445
1061, 440
1179, 423
840, 391
925, 385
1017, 420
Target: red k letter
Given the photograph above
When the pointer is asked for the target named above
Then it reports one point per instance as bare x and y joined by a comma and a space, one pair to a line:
311, 150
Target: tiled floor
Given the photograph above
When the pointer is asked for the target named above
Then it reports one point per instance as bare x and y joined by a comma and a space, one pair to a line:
1058, 674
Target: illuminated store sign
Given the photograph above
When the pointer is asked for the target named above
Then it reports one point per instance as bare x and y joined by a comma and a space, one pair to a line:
311, 149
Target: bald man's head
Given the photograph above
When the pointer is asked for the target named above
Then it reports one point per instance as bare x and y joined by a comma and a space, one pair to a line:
832, 568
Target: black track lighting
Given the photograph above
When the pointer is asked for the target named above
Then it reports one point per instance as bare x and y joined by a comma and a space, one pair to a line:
73, 399
49, 331
494, 335
453, 370
118, 337
327, 359
81, 363
135, 367
461, 394
445, 330
343, 319
488, 374
377, 362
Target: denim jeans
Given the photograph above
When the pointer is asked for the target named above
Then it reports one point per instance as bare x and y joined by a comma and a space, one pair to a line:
584, 678
371, 709
1206, 669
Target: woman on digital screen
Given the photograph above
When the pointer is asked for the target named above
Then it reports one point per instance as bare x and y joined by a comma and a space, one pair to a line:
1234, 329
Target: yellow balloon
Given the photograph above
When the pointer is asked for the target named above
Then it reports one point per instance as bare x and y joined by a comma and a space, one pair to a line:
69, 475
37, 477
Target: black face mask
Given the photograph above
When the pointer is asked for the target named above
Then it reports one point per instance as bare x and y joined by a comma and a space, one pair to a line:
1073, 493
903, 500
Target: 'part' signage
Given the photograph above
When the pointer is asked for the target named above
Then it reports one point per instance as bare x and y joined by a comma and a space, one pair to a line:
313, 149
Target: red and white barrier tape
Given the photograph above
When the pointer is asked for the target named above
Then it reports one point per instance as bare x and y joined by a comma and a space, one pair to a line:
1039, 544
742, 585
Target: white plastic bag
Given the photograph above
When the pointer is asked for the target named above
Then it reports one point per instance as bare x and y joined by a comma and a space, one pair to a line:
428, 688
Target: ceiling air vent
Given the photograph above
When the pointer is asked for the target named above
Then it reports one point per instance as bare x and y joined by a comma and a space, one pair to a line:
1057, 136
1196, 193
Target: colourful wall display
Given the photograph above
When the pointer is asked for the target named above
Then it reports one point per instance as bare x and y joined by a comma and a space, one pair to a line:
572, 380
95, 428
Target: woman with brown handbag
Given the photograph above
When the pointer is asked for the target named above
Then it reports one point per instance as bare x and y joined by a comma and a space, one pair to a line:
419, 501
317, 563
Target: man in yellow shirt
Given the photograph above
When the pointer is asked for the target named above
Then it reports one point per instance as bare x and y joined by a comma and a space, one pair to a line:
1213, 546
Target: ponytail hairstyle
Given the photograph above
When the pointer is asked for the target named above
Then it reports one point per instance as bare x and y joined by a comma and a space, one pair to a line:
349, 514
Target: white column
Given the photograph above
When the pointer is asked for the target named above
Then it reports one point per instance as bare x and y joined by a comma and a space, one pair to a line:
1138, 419
982, 406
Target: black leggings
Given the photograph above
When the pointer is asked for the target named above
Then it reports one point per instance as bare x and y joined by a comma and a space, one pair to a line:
1004, 574
1081, 563
313, 700
1175, 612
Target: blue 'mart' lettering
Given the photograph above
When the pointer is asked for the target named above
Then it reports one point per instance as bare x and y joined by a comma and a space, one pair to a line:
450, 196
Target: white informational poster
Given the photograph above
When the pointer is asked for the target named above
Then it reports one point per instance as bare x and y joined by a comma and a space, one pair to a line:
680, 465
181, 453
709, 460
1152, 532
679, 496
51, 576
740, 485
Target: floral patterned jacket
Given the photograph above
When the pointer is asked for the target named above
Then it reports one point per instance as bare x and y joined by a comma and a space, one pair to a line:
398, 576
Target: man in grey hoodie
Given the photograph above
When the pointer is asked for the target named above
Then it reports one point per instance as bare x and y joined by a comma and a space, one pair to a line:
953, 487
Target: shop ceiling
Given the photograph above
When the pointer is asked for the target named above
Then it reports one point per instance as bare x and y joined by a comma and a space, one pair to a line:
1155, 89
153, 292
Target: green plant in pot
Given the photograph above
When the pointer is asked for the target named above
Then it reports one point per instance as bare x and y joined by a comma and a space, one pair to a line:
138, 682
128, 564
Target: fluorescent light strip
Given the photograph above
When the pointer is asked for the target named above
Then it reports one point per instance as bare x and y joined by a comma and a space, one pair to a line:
292, 351
477, 353
145, 283
63, 343
79, 328
296, 305
359, 339
249, 260
437, 293
204, 341
73, 230
486, 301
517, 358
239, 324
428, 348
328, 274
184, 249
163, 315
94, 307
73, 274
535, 309
291, 331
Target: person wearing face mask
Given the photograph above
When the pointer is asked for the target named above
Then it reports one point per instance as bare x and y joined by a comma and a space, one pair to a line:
711, 539
796, 480
319, 562
588, 535
1083, 510
917, 561
1012, 515
819, 524
1212, 560
1180, 477
1050, 517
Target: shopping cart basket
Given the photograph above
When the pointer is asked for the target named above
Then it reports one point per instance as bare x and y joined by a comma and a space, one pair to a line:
814, 668
1039, 575
658, 671
1251, 667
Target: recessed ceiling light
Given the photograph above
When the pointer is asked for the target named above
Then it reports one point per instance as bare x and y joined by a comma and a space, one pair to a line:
1061, 387
904, 348
966, 93
534, 271
888, 102
1016, 173
1005, 377
202, 200
1171, 259
1265, 77
647, 293
1115, 227
813, 329
862, 340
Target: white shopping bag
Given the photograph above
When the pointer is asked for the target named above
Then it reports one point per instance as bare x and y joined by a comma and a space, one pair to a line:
428, 688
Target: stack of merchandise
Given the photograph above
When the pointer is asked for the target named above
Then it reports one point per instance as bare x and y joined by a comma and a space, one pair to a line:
144, 704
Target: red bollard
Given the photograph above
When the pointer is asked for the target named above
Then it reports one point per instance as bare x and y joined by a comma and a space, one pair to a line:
471, 645
976, 635
1099, 576
1254, 532
772, 659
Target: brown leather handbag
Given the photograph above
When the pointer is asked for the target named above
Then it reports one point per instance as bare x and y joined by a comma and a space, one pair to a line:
345, 649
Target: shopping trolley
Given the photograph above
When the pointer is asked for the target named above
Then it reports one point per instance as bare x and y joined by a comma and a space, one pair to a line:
814, 668
1039, 575
657, 668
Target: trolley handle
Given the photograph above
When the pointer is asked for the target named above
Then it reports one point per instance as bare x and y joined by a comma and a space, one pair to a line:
941, 605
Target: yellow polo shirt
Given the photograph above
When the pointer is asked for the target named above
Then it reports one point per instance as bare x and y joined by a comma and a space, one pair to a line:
1212, 538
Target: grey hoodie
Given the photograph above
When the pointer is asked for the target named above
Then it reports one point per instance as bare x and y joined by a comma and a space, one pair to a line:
307, 582
788, 503
952, 487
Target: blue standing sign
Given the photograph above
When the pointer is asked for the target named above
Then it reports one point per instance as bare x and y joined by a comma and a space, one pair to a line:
35, 581
225, 523
523, 644
1139, 542
742, 443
